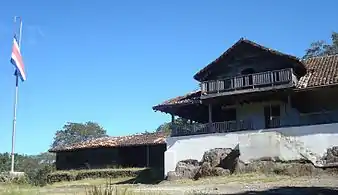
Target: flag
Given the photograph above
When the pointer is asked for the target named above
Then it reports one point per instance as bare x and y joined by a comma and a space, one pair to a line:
16, 60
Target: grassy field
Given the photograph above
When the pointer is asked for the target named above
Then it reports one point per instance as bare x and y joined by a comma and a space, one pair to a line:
227, 185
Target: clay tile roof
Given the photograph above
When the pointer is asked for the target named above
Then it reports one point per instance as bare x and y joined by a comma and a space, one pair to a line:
131, 140
321, 71
189, 98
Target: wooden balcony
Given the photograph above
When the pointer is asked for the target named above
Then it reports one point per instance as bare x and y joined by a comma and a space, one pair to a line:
262, 81
217, 127
320, 118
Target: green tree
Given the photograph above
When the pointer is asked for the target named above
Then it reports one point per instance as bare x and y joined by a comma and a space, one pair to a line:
77, 132
321, 48
167, 127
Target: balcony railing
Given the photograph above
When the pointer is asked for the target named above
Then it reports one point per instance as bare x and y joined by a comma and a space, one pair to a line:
250, 81
274, 122
217, 127
318, 118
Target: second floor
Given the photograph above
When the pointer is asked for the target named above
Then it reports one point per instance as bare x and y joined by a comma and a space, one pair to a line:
249, 67
255, 116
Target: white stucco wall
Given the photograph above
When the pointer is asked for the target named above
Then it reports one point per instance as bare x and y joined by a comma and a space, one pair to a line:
253, 144
255, 113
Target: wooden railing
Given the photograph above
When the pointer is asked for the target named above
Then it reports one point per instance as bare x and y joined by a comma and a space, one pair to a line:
275, 122
326, 117
217, 127
257, 80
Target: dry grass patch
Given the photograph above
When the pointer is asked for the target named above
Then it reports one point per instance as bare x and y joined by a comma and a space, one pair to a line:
236, 178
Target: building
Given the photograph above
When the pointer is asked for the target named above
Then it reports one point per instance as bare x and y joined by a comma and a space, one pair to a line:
145, 150
266, 102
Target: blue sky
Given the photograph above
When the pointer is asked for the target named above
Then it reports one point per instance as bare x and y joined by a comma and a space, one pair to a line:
111, 61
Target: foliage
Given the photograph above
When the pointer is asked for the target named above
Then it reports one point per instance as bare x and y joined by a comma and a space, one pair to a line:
35, 167
38, 177
77, 132
321, 48
167, 127
108, 189
59, 176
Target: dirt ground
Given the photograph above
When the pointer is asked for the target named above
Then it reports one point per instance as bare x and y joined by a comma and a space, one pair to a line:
253, 185
237, 185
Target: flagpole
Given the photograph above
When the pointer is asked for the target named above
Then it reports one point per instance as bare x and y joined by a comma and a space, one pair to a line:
15, 100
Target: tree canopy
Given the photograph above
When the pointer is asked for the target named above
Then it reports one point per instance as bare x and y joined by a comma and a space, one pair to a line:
77, 132
321, 48
166, 127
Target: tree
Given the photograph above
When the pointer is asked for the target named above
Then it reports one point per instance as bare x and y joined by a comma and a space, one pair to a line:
166, 127
321, 48
77, 132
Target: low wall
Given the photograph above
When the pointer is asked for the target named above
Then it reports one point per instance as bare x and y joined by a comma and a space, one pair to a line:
289, 143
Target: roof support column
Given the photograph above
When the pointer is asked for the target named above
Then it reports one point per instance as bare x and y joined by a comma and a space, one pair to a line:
172, 124
147, 151
172, 118
210, 118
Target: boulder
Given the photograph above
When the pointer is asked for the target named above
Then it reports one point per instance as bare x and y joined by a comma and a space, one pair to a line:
215, 156
332, 155
172, 176
219, 171
187, 168
231, 161
204, 171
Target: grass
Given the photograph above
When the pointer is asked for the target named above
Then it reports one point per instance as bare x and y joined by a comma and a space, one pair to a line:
236, 178
80, 187
99, 186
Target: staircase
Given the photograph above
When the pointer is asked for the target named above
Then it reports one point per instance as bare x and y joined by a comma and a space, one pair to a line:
293, 143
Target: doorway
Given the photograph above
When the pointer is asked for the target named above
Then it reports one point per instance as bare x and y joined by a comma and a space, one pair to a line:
272, 116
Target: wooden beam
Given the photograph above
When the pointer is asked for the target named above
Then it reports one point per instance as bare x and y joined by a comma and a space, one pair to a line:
210, 113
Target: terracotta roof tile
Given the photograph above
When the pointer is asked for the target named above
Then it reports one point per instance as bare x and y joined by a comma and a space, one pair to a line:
131, 140
189, 98
321, 71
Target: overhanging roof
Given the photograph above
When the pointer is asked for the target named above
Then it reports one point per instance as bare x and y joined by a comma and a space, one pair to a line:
200, 75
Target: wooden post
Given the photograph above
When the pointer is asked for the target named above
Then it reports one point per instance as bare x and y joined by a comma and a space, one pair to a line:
172, 119
210, 118
210, 113
289, 104
147, 151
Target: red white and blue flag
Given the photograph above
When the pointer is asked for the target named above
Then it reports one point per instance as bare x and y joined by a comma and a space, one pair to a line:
17, 61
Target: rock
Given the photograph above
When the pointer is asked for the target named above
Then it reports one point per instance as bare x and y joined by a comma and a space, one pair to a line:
331, 155
187, 168
204, 171
240, 167
173, 176
215, 156
219, 171
231, 161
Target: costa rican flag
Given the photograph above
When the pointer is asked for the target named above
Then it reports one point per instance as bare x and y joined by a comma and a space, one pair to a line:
16, 60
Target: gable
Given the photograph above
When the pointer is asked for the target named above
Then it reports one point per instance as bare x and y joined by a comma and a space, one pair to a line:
247, 54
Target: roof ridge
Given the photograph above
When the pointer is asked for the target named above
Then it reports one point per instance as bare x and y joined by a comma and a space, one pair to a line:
325, 56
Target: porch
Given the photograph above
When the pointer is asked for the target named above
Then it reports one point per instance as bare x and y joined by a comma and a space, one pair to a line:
294, 119
262, 81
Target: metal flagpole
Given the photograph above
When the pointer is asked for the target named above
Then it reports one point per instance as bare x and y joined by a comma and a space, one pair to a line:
16, 98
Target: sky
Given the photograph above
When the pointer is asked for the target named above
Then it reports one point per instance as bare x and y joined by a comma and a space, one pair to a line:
111, 61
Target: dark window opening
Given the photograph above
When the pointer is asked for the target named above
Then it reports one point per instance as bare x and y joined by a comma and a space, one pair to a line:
272, 116
248, 81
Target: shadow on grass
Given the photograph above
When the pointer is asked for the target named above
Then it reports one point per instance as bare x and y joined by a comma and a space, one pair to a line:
147, 176
289, 191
